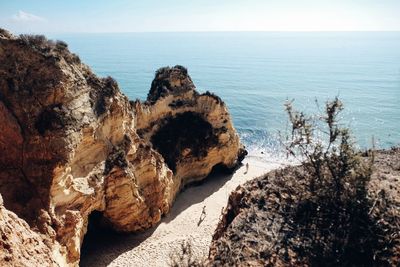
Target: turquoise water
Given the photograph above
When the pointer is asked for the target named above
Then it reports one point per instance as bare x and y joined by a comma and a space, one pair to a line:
255, 73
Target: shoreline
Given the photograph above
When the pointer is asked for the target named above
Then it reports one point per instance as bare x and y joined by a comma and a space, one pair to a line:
154, 246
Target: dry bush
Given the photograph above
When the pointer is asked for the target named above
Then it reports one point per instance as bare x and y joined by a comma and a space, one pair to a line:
61, 45
333, 209
183, 257
49, 48
332, 223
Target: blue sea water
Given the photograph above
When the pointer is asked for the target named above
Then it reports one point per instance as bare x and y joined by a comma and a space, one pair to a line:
256, 72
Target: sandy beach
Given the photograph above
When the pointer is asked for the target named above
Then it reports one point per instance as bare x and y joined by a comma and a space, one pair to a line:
154, 246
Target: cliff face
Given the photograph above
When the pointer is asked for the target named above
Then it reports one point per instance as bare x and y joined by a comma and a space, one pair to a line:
73, 144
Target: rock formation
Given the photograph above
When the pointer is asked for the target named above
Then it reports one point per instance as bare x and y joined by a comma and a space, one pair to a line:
72, 144
254, 227
19, 245
191, 131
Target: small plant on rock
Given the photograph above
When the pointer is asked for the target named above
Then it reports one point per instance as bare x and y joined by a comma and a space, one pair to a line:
183, 257
61, 45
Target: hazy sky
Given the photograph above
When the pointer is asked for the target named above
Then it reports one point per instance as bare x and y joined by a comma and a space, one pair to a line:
202, 15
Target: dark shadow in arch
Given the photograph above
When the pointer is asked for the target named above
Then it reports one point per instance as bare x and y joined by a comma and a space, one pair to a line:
186, 131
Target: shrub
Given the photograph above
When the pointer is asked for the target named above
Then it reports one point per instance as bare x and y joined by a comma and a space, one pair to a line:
4, 32
184, 257
217, 98
74, 58
36, 41
50, 48
162, 71
182, 68
331, 162
332, 225
61, 45
110, 82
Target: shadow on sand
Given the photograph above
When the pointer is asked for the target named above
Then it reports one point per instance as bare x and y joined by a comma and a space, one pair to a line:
101, 247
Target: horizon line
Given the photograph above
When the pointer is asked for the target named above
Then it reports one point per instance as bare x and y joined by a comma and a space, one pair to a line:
205, 31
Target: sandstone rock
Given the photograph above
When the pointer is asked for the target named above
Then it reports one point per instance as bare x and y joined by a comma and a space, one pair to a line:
192, 131
19, 245
72, 144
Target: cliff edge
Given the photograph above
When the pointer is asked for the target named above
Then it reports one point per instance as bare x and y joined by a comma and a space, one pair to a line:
262, 224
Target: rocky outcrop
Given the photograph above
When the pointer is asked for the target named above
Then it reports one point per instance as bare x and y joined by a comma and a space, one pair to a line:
19, 245
257, 226
72, 144
192, 131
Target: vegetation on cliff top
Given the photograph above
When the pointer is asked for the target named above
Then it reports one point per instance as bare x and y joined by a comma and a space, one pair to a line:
332, 223
325, 212
49, 47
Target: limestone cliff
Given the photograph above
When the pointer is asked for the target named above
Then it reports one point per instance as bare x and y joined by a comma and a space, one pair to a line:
72, 144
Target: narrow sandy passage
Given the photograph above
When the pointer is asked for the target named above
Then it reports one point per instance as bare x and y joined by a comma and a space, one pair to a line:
154, 246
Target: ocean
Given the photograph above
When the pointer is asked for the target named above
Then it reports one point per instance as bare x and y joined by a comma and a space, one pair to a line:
256, 72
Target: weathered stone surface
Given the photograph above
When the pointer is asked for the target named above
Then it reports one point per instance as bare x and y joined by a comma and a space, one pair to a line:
72, 144
19, 245
192, 131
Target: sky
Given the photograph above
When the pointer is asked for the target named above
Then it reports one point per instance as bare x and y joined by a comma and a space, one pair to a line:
54, 16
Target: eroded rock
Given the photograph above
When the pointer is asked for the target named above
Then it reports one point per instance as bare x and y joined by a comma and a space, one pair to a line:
192, 131
19, 245
72, 144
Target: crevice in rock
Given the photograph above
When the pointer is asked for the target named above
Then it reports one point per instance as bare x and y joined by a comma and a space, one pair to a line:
221, 168
51, 118
109, 89
96, 224
117, 157
34, 193
7, 106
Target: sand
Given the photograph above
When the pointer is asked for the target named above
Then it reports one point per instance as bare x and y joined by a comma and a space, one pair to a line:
154, 246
